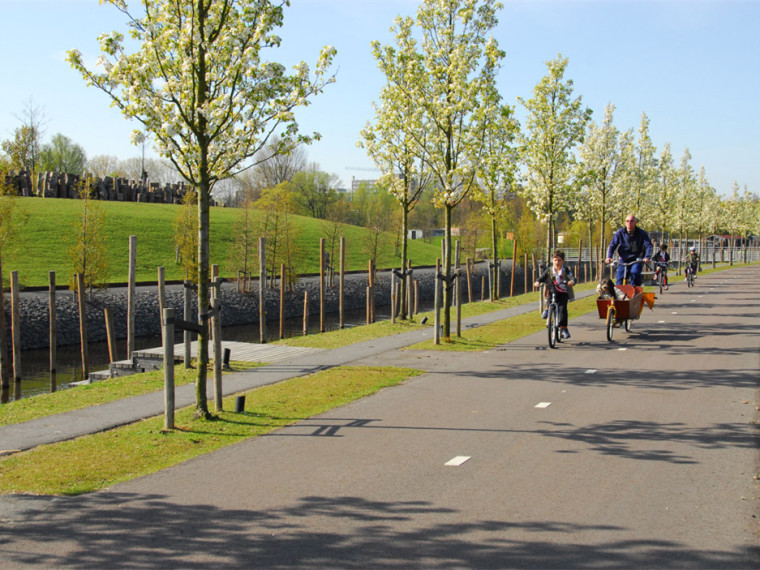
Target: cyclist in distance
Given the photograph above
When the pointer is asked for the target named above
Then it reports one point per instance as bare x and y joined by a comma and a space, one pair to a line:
563, 280
631, 243
662, 256
692, 260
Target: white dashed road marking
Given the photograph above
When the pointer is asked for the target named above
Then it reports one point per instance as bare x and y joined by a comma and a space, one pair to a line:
457, 461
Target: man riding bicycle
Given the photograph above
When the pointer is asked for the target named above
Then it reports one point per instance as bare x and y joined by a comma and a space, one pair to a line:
631, 243
662, 258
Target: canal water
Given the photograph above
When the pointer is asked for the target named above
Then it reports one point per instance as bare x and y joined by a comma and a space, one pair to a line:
35, 364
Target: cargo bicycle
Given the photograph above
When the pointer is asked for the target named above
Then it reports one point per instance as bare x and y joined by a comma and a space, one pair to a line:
625, 308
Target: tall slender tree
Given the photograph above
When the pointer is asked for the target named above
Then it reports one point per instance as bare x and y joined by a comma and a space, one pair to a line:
201, 86
456, 62
556, 123
393, 140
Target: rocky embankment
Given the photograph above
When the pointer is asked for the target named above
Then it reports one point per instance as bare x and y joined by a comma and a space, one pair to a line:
237, 308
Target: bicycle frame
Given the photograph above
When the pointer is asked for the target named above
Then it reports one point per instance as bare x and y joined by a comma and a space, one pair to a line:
552, 318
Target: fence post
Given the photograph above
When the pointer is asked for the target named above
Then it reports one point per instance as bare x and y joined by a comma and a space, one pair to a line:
188, 286
282, 300
262, 296
110, 335
4, 364
131, 296
15, 327
53, 339
168, 339
216, 323
341, 281
321, 285
83, 326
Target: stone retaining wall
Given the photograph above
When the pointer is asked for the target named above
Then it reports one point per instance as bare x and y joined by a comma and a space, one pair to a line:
237, 309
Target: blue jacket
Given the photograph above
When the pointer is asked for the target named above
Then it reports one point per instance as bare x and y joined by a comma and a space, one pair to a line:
630, 246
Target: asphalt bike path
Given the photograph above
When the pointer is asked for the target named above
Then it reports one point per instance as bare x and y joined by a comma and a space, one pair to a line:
106, 416
639, 453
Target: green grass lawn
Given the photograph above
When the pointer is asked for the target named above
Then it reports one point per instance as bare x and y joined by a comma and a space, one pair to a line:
43, 239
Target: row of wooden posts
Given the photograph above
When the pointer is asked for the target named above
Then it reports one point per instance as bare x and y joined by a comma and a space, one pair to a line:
411, 305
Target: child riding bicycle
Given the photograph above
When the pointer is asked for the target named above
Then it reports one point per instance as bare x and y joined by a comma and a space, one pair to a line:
692, 261
559, 276
661, 259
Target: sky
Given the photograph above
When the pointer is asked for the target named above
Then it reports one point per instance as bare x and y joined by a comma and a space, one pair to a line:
692, 66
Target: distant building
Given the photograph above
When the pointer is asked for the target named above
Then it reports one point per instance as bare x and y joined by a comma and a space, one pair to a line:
370, 183
414, 234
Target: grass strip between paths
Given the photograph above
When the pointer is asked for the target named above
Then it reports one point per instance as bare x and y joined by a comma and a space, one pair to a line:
97, 461
102, 392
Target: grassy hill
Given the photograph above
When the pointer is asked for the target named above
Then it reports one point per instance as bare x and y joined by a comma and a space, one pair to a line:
44, 238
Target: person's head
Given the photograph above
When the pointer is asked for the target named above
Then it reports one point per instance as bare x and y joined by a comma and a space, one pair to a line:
664, 247
558, 257
693, 249
630, 222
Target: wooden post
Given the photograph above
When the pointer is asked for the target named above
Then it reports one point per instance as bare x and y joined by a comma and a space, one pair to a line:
580, 258
491, 279
525, 274
15, 327
514, 258
262, 297
416, 296
409, 297
483, 286
161, 292
468, 263
321, 285
187, 336
83, 326
216, 323
53, 337
131, 296
282, 300
458, 289
437, 304
393, 297
168, 336
305, 313
341, 282
4, 364
110, 336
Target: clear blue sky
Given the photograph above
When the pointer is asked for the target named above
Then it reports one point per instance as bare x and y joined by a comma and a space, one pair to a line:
693, 66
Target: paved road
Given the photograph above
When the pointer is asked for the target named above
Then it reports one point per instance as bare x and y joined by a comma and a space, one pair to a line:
635, 454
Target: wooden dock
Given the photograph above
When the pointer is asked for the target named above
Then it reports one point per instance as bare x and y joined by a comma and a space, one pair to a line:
242, 351
153, 358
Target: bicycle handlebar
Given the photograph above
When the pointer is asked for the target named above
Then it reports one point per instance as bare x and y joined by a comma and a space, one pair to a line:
635, 261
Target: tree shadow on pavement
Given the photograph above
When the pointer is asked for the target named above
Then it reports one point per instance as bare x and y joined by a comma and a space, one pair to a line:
121, 530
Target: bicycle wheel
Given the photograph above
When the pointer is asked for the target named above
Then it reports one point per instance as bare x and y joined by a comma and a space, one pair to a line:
689, 279
610, 322
551, 326
660, 280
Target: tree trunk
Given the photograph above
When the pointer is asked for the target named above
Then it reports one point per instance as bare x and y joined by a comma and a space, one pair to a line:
403, 295
446, 275
201, 399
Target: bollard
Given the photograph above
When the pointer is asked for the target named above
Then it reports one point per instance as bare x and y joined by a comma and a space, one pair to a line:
227, 354
240, 405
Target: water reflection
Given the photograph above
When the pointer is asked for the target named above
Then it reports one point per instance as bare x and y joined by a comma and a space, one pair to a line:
35, 364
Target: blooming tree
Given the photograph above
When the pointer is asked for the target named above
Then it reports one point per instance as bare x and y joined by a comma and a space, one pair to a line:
200, 83
455, 65
556, 123
394, 139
